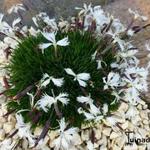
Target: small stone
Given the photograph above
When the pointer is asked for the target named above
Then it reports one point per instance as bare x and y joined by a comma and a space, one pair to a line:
106, 131
2, 120
97, 133
114, 135
144, 114
25, 144
1, 125
77, 139
131, 126
8, 126
103, 147
15, 137
125, 125
120, 141
145, 106
145, 121
139, 107
85, 135
103, 140
142, 102
11, 119
52, 134
37, 131
142, 147
115, 147
147, 127
51, 144
2, 134
123, 107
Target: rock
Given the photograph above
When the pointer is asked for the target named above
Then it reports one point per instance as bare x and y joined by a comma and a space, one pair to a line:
25, 144
2, 134
142, 147
114, 135
103, 140
37, 131
11, 118
123, 107
144, 114
2, 120
52, 134
125, 125
139, 107
145, 121
85, 135
103, 147
120, 141
77, 139
8, 126
145, 106
115, 147
147, 127
131, 126
98, 133
106, 131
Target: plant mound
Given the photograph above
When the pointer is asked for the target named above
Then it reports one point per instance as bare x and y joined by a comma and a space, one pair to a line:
31, 69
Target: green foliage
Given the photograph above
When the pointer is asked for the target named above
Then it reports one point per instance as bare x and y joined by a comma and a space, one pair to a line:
28, 64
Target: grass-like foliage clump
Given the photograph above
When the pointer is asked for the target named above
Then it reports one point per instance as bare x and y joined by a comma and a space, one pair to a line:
30, 67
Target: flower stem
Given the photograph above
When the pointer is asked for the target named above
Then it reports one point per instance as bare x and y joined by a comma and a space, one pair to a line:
55, 47
59, 114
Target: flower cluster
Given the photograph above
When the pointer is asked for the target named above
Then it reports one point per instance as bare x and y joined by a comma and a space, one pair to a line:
64, 75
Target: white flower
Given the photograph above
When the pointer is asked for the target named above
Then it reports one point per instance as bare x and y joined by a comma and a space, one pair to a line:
33, 32
126, 54
10, 42
131, 112
86, 8
99, 64
94, 115
45, 18
117, 96
65, 140
99, 61
3, 25
113, 80
121, 43
94, 112
24, 129
46, 80
111, 121
137, 15
7, 144
47, 101
99, 17
15, 22
81, 77
119, 27
83, 99
16, 8
89, 100
52, 38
